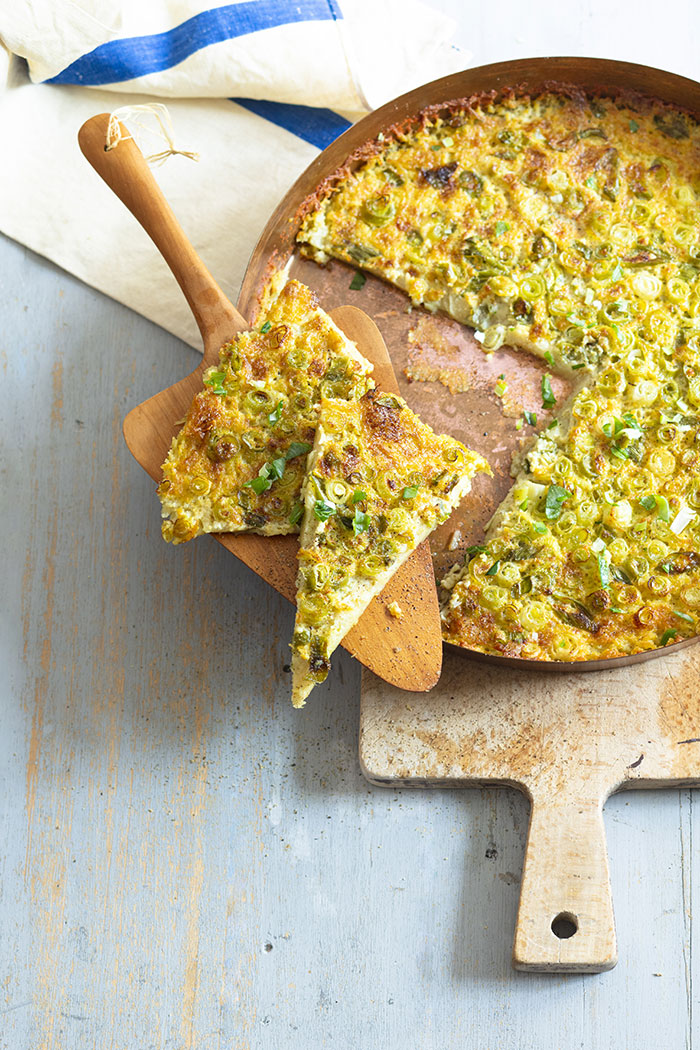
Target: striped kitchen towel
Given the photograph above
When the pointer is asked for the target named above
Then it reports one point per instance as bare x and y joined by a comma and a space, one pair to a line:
255, 88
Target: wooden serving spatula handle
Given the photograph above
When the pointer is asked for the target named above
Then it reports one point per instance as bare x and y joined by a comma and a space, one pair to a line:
565, 918
127, 174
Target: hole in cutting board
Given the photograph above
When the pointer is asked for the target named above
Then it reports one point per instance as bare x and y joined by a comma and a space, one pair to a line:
564, 925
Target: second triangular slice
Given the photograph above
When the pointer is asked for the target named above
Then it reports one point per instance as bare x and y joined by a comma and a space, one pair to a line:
378, 482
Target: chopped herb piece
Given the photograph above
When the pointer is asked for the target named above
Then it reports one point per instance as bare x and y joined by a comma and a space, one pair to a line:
554, 500
474, 550
265, 327
323, 509
501, 227
617, 272
410, 492
604, 569
259, 485
615, 609
360, 523
275, 469
274, 416
523, 505
297, 448
663, 508
216, 381
531, 418
500, 387
548, 398
357, 495
358, 281
494, 569
540, 527
683, 616
548, 358
634, 126
296, 514
648, 502
668, 635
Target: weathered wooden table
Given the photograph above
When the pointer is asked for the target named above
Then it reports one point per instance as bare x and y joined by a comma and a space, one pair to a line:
185, 861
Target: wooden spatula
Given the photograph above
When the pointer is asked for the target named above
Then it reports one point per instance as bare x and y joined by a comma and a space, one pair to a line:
406, 652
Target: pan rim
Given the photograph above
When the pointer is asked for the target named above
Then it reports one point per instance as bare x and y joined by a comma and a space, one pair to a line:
277, 240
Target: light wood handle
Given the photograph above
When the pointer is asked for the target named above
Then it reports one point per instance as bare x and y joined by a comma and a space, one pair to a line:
127, 174
565, 919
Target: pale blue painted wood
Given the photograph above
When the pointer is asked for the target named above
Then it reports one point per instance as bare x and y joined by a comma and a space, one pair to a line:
187, 862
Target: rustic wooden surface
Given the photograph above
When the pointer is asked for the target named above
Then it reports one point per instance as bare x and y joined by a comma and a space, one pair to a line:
185, 862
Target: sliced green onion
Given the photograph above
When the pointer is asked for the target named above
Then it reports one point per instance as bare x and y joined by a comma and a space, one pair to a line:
548, 358
663, 508
494, 569
358, 281
357, 495
634, 126
555, 498
297, 448
360, 523
296, 514
668, 635
266, 327
548, 398
274, 416
501, 227
531, 418
323, 509
604, 569
683, 616
410, 492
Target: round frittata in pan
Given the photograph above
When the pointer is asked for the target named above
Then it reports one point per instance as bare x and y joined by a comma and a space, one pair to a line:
566, 224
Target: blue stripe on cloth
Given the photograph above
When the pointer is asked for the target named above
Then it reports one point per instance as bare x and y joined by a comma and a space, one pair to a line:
317, 126
137, 56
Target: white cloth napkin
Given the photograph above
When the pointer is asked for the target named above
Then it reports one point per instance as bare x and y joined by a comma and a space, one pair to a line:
255, 88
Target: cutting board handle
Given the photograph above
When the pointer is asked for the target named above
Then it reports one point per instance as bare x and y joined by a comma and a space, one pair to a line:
127, 174
565, 919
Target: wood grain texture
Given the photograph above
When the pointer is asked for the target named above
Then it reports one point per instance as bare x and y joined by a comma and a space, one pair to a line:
407, 651
165, 816
568, 742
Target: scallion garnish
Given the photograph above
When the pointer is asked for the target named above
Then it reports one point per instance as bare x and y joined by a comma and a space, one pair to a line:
548, 358
648, 502
604, 569
215, 380
634, 126
323, 509
501, 227
663, 508
531, 418
357, 495
494, 569
274, 416
548, 398
358, 281
683, 616
297, 448
410, 492
555, 498
668, 635
296, 513
265, 327
360, 523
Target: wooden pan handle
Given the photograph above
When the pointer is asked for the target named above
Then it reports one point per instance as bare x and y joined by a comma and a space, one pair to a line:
565, 919
127, 174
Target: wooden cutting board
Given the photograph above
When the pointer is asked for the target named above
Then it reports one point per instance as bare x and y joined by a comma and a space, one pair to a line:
567, 741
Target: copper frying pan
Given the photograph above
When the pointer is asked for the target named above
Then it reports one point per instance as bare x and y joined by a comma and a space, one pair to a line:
472, 415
